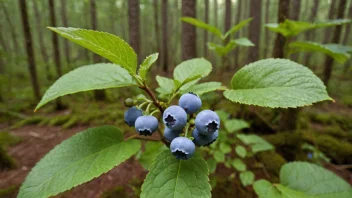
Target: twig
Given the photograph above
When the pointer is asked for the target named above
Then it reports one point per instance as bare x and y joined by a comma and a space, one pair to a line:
151, 94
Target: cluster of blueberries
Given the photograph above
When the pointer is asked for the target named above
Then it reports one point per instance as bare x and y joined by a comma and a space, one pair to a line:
205, 126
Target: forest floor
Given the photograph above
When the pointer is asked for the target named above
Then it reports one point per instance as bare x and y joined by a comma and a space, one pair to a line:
37, 141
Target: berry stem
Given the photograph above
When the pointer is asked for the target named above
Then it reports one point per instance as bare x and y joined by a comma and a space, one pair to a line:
151, 94
141, 138
155, 111
187, 129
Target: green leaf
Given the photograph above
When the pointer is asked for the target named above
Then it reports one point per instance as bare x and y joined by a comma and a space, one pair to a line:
151, 150
166, 85
86, 78
244, 42
340, 53
219, 156
291, 28
257, 143
77, 160
313, 180
241, 151
201, 24
225, 148
235, 125
237, 27
220, 49
239, 165
211, 165
146, 64
276, 83
192, 69
222, 115
265, 189
203, 88
247, 178
169, 177
104, 44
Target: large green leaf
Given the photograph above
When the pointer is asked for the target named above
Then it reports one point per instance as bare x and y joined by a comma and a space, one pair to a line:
291, 28
314, 180
265, 189
257, 143
85, 78
203, 88
79, 159
235, 125
148, 61
166, 85
191, 70
203, 25
106, 45
151, 150
169, 177
340, 53
237, 27
276, 83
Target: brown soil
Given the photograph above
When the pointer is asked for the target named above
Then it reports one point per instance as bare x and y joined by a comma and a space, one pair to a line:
37, 141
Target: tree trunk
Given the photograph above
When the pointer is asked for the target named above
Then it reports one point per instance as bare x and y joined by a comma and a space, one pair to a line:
157, 30
335, 39
346, 37
65, 24
283, 13
327, 36
216, 18
164, 43
255, 29
98, 94
133, 23
29, 49
189, 49
227, 26
43, 48
12, 29
295, 13
55, 43
206, 20
309, 34
267, 33
238, 19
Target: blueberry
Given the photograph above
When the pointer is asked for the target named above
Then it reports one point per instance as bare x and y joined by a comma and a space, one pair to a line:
131, 115
207, 122
169, 134
182, 148
310, 155
190, 102
175, 118
204, 140
146, 125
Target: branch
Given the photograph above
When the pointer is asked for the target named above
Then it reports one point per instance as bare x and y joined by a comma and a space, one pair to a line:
155, 100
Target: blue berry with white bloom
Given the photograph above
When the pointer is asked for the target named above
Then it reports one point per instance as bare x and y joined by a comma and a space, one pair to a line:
182, 148
204, 140
131, 115
190, 102
175, 118
146, 125
169, 134
207, 122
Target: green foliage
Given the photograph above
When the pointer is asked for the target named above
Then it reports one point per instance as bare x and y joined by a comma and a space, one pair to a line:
302, 179
237, 27
239, 165
169, 177
191, 70
241, 151
257, 143
85, 78
276, 83
338, 52
104, 44
203, 88
234, 125
291, 28
151, 151
201, 24
77, 160
247, 178
147, 63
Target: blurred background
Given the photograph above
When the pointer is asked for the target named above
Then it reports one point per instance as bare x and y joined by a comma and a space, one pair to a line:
32, 58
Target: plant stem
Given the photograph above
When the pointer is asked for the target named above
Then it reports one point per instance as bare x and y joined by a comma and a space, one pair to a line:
141, 138
151, 94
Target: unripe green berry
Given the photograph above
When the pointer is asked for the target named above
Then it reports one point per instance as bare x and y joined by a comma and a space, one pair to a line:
129, 102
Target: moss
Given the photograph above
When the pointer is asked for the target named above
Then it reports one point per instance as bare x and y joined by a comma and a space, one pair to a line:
6, 139
59, 120
74, 120
6, 161
339, 151
286, 143
335, 131
345, 122
28, 121
272, 162
230, 188
8, 192
116, 192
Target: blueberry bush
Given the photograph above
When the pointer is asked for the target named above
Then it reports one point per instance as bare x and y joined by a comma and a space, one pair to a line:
176, 163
